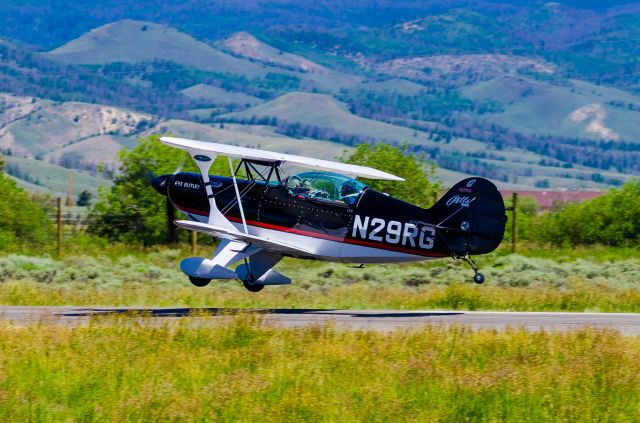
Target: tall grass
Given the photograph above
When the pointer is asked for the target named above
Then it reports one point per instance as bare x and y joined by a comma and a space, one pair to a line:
514, 283
242, 370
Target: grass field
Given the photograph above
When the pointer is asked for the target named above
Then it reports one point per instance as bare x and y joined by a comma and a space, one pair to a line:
242, 370
607, 281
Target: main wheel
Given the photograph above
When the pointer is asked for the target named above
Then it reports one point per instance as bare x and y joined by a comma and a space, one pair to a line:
199, 282
252, 287
478, 278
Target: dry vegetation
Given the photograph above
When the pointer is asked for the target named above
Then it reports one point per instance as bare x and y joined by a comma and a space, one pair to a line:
243, 370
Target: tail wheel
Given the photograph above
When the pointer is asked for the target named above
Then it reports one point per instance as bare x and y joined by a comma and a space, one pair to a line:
199, 282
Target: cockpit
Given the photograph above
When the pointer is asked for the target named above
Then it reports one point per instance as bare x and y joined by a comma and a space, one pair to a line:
330, 187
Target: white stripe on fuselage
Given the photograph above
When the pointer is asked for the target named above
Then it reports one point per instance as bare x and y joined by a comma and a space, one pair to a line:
328, 250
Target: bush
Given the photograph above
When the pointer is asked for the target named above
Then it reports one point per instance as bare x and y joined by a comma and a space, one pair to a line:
131, 210
611, 219
420, 184
24, 218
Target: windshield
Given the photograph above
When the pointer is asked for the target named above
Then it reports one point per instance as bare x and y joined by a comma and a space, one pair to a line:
325, 185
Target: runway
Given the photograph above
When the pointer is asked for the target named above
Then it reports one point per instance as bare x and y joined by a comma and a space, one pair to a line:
380, 320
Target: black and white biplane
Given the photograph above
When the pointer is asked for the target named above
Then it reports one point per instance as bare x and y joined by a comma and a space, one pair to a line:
323, 213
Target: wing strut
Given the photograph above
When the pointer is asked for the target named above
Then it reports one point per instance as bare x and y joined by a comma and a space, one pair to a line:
235, 185
215, 217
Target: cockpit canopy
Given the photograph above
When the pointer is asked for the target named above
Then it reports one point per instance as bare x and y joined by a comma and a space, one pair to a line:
325, 185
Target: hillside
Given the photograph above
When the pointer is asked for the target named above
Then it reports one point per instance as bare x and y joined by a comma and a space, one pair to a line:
45, 126
218, 96
567, 108
326, 112
131, 41
246, 45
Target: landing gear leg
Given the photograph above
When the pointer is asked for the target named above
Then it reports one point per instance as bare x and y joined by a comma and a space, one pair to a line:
249, 280
477, 277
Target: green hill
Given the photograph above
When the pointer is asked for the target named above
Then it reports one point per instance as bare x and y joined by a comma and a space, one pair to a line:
133, 41
218, 95
567, 108
326, 112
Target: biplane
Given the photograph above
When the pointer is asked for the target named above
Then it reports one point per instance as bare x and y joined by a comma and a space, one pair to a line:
263, 212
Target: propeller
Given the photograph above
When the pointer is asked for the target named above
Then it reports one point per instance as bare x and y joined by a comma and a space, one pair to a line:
180, 165
159, 183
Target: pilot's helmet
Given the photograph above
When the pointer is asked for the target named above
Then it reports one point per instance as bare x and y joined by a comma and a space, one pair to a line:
348, 188
306, 184
293, 182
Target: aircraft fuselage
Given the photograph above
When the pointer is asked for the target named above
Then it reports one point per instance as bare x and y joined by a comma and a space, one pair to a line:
374, 228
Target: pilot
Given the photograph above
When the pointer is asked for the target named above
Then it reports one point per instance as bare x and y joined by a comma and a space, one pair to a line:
293, 184
305, 188
349, 193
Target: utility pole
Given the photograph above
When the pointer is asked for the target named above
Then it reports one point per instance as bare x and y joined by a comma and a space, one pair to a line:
194, 242
514, 221
59, 227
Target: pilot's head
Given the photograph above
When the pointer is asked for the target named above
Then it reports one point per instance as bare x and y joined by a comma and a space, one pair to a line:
293, 182
348, 188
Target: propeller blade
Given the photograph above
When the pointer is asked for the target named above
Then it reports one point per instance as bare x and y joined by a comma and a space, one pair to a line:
180, 165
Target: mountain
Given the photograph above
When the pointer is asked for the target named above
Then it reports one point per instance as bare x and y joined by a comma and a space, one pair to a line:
131, 41
526, 93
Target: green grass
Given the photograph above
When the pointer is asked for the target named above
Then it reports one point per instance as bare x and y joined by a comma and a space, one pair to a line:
514, 282
239, 369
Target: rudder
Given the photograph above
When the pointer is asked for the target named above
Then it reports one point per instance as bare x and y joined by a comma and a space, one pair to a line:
470, 217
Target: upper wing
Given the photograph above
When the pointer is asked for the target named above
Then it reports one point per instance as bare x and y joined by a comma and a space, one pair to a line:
199, 147
220, 232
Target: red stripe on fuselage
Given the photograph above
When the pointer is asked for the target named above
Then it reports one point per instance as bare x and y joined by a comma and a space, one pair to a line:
322, 235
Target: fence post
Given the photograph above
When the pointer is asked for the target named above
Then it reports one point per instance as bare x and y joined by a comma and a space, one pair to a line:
514, 221
194, 242
59, 227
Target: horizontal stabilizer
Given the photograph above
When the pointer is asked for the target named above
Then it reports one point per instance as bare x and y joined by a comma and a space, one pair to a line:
270, 277
201, 267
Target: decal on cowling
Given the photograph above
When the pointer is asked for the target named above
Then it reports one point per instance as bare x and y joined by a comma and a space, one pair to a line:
183, 184
406, 234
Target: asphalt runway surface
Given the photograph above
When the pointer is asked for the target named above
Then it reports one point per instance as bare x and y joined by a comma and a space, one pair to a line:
381, 320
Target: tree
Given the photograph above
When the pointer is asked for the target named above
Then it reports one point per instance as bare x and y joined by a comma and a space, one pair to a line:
131, 210
421, 184
24, 220
84, 199
610, 219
